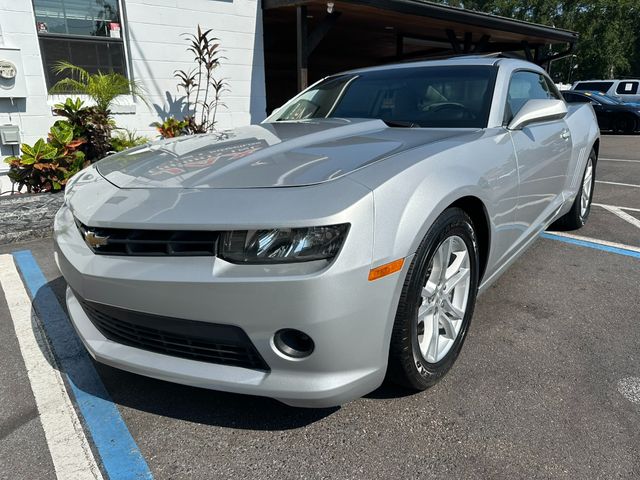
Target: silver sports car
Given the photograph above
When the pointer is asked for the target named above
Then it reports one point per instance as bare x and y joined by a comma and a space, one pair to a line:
341, 241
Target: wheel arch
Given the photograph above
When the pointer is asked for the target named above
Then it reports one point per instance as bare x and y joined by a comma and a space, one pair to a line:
596, 147
475, 208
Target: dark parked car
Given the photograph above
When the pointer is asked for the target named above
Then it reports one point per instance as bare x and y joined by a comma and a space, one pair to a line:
613, 115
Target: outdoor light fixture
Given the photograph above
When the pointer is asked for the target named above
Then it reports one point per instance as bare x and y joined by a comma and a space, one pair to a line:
330, 6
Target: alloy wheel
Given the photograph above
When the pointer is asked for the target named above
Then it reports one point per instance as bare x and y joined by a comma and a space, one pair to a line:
444, 299
587, 187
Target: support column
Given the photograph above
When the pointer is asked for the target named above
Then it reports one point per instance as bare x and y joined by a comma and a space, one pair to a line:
302, 52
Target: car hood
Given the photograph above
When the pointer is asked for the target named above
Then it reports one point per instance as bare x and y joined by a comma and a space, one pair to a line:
283, 154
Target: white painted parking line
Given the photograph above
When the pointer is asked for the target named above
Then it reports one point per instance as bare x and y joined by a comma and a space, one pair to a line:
619, 184
67, 443
605, 243
623, 215
604, 205
623, 160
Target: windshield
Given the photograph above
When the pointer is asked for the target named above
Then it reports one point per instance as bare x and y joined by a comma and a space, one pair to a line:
438, 97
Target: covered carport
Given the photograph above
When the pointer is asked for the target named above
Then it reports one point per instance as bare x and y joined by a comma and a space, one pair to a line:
305, 40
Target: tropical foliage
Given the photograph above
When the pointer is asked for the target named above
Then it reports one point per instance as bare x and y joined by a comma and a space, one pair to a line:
124, 139
47, 165
172, 127
102, 88
202, 90
609, 43
90, 123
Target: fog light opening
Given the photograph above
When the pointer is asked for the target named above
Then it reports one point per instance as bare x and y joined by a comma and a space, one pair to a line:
293, 343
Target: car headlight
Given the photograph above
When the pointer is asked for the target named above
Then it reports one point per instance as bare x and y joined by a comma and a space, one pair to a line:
282, 245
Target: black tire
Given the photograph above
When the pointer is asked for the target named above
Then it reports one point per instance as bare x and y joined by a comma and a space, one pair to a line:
624, 124
574, 219
407, 366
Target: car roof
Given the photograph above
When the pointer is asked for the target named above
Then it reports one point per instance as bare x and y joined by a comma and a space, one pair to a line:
466, 60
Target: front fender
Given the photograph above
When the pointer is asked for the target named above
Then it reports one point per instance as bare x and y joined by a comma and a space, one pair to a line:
416, 192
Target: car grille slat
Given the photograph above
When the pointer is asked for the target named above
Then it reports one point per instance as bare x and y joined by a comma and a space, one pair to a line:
200, 341
120, 241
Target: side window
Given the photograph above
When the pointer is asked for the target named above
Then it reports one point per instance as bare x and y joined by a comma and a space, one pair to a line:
627, 88
526, 86
596, 86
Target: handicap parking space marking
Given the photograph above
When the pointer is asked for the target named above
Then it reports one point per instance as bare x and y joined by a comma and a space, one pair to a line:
630, 209
620, 213
67, 443
632, 185
622, 160
611, 247
119, 455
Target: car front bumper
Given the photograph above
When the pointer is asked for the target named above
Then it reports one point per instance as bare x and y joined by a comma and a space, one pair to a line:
348, 317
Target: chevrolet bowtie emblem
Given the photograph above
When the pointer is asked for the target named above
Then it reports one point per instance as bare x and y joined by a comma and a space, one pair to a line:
94, 240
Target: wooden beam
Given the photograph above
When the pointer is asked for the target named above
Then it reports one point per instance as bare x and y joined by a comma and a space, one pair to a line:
455, 45
302, 55
467, 42
321, 30
399, 46
481, 44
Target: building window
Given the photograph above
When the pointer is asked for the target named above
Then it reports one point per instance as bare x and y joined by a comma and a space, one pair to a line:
87, 33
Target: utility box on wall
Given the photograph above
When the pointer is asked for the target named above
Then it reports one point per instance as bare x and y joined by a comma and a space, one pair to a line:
12, 81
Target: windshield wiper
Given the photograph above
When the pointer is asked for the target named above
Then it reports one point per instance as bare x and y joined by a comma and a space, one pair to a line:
399, 123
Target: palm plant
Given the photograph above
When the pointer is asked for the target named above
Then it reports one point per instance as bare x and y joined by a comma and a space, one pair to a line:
102, 88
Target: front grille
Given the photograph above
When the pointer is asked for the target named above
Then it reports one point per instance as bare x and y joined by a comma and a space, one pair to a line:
121, 241
201, 341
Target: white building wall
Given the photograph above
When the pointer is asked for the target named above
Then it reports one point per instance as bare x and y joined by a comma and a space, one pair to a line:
153, 31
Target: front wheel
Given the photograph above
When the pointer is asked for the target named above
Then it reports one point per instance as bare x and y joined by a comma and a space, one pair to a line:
436, 304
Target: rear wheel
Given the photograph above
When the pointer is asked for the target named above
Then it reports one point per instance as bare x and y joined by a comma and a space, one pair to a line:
436, 304
579, 213
624, 125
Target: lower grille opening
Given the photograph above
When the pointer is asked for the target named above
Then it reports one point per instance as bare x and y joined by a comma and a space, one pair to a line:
200, 341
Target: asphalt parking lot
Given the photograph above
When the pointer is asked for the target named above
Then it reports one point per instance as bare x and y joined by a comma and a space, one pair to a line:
547, 384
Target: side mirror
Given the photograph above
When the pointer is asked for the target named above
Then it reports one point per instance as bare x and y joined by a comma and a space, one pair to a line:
542, 110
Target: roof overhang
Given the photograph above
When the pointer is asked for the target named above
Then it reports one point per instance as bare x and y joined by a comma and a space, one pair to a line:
433, 22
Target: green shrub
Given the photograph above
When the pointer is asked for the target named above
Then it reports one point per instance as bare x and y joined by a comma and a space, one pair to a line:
47, 165
90, 123
172, 127
124, 139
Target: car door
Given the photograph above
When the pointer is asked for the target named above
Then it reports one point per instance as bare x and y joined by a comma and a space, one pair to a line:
543, 153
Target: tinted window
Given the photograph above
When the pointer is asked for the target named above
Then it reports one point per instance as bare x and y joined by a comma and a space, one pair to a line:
87, 33
439, 97
597, 86
525, 86
77, 17
627, 88
575, 98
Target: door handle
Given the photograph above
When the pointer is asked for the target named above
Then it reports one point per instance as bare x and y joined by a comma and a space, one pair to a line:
566, 135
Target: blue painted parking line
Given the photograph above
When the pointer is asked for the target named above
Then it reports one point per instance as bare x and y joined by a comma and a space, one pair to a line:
120, 456
589, 244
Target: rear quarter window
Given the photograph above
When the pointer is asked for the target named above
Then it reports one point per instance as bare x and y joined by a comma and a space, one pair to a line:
596, 86
627, 88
